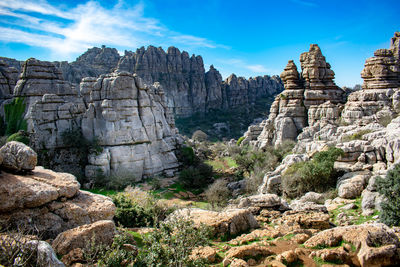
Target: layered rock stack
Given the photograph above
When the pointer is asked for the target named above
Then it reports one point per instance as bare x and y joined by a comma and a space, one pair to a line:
189, 88
8, 79
308, 99
130, 120
380, 97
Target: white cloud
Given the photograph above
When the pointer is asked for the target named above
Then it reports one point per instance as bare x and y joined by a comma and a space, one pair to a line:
71, 30
257, 68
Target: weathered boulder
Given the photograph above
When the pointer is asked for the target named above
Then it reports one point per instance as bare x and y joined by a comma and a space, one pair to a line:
264, 201
207, 253
100, 232
49, 202
17, 157
351, 185
376, 244
232, 221
46, 257
253, 250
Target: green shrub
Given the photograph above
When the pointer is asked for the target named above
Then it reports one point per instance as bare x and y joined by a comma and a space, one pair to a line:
117, 181
195, 177
217, 194
14, 116
314, 175
200, 136
187, 156
389, 187
20, 136
254, 181
172, 243
97, 254
356, 136
74, 138
282, 150
248, 159
137, 208
240, 140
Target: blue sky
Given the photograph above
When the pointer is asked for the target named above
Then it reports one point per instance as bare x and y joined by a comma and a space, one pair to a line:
248, 38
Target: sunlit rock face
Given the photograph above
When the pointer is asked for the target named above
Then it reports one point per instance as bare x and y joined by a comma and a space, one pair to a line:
309, 98
380, 97
130, 120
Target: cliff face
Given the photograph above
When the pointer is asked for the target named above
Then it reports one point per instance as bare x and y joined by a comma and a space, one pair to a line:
188, 87
308, 99
130, 119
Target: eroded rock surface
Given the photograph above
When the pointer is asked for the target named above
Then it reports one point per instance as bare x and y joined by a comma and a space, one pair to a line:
49, 202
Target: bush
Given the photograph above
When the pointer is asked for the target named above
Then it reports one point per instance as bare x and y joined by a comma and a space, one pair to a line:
172, 244
314, 175
18, 247
14, 116
255, 180
248, 159
389, 187
282, 150
137, 208
195, 177
199, 136
217, 194
21, 136
118, 254
240, 140
117, 181
2, 126
187, 156
356, 136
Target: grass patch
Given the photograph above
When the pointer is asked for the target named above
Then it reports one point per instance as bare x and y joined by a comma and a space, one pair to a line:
102, 191
137, 237
356, 136
222, 164
321, 262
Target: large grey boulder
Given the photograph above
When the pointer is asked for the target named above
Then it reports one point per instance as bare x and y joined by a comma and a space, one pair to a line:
18, 157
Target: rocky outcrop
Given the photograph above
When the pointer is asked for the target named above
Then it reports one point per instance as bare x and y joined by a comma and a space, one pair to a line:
188, 87
230, 222
380, 95
8, 79
16, 156
133, 127
376, 244
97, 233
308, 99
49, 202
94, 62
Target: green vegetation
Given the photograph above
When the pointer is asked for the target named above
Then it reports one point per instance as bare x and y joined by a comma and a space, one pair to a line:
20, 136
217, 194
136, 208
200, 136
314, 175
172, 243
240, 140
352, 216
14, 116
389, 187
237, 120
222, 164
195, 177
356, 136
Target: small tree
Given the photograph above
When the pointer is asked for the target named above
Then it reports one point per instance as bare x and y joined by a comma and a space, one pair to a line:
199, 136
389, 187
218, 193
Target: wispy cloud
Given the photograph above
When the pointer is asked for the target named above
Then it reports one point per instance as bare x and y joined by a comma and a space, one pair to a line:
70, 30
239, 63
305, 3
257, 68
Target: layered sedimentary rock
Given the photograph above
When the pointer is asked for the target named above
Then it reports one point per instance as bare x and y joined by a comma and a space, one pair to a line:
308, 99
188, 87
49, 202
130, 120
92, 63
380, 96
8, 79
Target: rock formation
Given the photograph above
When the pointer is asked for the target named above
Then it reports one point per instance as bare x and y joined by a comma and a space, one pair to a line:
307, 99
188, 87
49, 202
130, 121
380, 97
8, 79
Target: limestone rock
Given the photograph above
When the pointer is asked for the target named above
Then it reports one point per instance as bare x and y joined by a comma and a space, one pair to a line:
50, 202
233, 221
46, 257
100, 232
8, 79
304, 219
207, 253
252, 250
376, 244
264, 201
18, 157
351, 185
